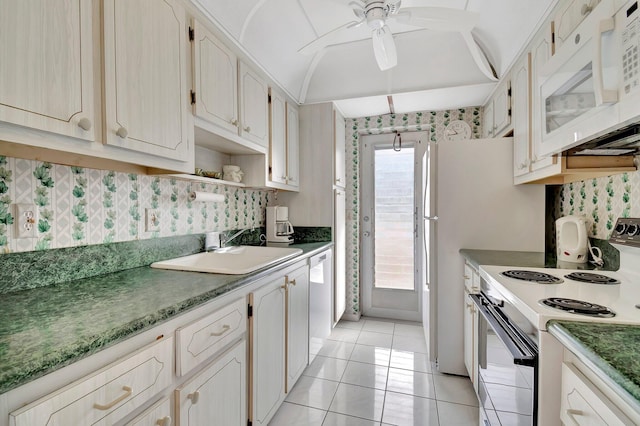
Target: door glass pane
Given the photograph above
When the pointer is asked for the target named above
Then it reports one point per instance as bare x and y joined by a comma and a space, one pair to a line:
394, 219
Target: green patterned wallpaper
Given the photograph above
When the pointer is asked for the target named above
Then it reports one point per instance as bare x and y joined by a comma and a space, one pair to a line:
78, 206
601, 201
432, 121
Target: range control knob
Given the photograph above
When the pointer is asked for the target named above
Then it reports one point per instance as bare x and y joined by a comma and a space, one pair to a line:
633, 230
621, 228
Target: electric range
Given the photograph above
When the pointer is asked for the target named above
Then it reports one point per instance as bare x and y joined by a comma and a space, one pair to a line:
515, 306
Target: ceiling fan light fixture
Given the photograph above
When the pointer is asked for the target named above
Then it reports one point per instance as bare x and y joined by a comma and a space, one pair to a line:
384, 48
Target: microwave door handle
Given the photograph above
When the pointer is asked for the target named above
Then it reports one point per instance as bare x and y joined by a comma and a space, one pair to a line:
603, 97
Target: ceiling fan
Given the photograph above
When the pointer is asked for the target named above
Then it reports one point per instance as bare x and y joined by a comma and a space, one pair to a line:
375, 14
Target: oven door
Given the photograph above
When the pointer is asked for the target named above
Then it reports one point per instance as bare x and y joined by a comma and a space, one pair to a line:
507, 367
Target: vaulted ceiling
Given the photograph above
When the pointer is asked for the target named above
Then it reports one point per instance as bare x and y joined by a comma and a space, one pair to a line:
436, 69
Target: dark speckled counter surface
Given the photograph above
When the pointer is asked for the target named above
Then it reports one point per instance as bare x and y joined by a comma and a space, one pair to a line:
533, 259
46, 328
610, 350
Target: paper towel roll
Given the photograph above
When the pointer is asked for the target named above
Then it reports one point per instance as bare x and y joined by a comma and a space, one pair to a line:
205, 196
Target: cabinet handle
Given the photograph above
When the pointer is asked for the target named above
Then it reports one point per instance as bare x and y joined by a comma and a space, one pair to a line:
127, 393
247, 129
234, 122
571, 412
475, 289
194, 397
122, 132
522, 166
165, 421
292, 282
291, 179
84, 124
283, 177
467, 277
338, 180
225, 328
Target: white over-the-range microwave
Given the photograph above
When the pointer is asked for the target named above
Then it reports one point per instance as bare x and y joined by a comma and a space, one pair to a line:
590, 88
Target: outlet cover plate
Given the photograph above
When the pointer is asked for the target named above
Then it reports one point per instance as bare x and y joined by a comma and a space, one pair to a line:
25, 220
151, 220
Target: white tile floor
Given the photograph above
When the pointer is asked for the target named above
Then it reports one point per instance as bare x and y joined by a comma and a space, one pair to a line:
376, 372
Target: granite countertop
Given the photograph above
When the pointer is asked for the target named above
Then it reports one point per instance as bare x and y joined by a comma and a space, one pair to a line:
533, 259
610, 350
44, 329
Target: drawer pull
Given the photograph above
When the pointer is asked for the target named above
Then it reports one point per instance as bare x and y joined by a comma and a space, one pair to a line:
225, 328
467, 277
165, 421
84, 124
572, 412
292, 282
127, 393
194, 397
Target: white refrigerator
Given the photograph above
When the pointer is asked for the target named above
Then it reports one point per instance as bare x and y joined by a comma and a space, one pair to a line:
469, 202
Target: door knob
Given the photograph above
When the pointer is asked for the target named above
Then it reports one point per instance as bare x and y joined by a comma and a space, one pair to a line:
84, 124
122, 132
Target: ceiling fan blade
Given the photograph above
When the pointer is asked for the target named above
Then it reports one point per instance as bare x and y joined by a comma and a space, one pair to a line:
327, 39
438, 18
479, 56
384, 48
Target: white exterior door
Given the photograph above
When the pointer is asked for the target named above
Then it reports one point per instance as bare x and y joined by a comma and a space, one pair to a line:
390, 220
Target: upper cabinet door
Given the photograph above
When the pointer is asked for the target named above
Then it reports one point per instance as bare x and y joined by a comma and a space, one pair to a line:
253, 107
568, 17
216, 80
46, 66
278, 149
293, 146
146, 105
502, 108
339, 136
521, 113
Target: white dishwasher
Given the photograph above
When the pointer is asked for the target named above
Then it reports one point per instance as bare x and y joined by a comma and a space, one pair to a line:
320, 301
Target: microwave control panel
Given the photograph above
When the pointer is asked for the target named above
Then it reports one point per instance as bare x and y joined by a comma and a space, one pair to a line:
630, 44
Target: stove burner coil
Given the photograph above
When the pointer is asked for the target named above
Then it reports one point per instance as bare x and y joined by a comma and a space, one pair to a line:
578, 307
591, 278
538, 277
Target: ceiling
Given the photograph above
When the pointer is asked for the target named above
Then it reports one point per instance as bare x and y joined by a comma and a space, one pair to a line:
435, 70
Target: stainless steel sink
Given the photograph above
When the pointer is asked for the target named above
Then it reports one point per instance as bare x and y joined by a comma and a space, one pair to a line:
230, 260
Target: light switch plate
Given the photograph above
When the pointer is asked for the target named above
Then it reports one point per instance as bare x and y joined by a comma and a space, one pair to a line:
25, 220
151, 220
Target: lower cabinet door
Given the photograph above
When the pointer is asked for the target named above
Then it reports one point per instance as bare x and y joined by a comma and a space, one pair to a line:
268, 350
297, 325
218, 394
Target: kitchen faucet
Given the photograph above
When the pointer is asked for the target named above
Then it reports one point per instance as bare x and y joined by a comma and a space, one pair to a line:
225, 241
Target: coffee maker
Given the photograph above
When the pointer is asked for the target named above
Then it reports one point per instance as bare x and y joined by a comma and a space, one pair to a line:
279, 229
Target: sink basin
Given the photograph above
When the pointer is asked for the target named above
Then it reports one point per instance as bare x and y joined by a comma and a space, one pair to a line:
229, 260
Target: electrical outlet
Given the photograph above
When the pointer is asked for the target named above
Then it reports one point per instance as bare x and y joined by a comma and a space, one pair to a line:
151, 220
25, 220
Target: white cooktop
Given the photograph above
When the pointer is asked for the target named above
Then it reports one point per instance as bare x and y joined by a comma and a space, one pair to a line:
525, 295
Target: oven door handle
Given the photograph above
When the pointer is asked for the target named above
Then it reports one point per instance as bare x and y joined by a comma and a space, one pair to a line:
515, 340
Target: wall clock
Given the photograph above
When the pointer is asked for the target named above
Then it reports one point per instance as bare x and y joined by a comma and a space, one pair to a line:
457, 130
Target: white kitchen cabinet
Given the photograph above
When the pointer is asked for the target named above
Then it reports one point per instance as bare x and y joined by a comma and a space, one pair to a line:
254, 114
106, 396
203, 338
340, 141
293, 145
279, 338
297, 331
340, 254
267, 350
520, 89
158, 415
284, 143
497, 112
567, 18
583, 403
47, 66
215, 83
470, 322
218, 394
145, 78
